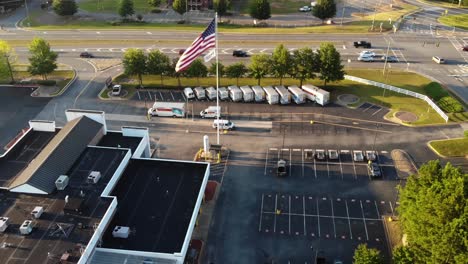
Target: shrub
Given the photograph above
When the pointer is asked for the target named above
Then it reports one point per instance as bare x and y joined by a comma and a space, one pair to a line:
450, 105
47, 82
155, 11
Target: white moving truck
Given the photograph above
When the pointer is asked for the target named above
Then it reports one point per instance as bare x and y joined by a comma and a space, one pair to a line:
188, 92
298, 95
235, 93
200, 93
259, 93
211, 112
223, 93
272, 96
247, 93
167, 109
285, 96
316, 94
211, 93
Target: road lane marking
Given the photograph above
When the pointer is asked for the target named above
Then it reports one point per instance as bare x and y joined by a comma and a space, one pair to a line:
364, 220
303, 210
318, 217
349, 220
261, 213
276, 208
333, 217
266, 162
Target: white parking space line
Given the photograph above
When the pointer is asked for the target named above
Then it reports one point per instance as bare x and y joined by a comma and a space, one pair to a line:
333, 215
276, 208
290, 162
371, 105
302, 164
162, 98
318, 217
261, 214
303, 211
391, 207
315, 168
380, 109
341, 166
377, 208
290, 214
364, 220
266, 162
328, 168
150, 95
138, 93
354, 167
173, 99
349, 220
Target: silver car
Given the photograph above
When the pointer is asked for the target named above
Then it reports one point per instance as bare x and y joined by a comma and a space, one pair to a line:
332, 154
358, 156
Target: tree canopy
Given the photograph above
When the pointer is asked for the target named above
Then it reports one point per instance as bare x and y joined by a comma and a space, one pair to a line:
221, 6
65, 7
154, 3
43, 59
126, 8
7, 57
365, 255
330, 64
134, 62
324, 9
236, 70
180, 6
259, 66
280, 62
305, 62
434, 213
158, 63
197, 69
260, 9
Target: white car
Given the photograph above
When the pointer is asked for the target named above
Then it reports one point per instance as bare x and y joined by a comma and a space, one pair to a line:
366, 53
366, 58
438, 60
305, 9
116, 90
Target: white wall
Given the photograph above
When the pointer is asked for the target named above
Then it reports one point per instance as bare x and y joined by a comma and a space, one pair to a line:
42, 125
17, 141
98, 116
155, 255
143, 149
117, 174
26, 188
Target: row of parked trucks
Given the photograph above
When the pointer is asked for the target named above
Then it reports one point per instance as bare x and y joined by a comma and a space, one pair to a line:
273, 95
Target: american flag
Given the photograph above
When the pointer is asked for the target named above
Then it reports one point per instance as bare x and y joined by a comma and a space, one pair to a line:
205, 41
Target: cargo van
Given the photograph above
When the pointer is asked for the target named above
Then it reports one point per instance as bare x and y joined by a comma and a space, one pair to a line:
199, 93
259, 93
223, 124
167, 109
211, 112
235, 93
223, 93
285, 96
211, 93
189, 93
298, 95
247, 93
272, 96
316, 94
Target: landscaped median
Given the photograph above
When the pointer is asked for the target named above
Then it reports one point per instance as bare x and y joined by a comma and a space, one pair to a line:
459, 21
457, 147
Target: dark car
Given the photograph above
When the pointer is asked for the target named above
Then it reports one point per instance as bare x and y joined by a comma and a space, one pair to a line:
181, 51
374, 169
86, 55
239, 53
465, 48
363, 44
281, 169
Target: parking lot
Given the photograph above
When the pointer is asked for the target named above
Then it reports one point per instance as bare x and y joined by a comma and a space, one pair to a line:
301, 163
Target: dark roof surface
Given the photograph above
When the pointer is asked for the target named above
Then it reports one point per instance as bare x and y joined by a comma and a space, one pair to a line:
116, 139
18, 158
59, 155
47, 236
156, 200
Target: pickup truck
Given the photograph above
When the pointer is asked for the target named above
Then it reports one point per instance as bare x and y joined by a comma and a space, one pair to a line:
363, 44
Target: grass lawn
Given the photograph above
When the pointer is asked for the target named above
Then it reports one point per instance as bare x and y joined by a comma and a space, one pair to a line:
453, 4
459, 21
61, 76
110, 6
451, 147
280, 6
383, 17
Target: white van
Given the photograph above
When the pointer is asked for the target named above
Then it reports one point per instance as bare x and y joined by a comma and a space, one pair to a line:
211, 93
116, 90
223, 124
200, 93
211, 112
189, 93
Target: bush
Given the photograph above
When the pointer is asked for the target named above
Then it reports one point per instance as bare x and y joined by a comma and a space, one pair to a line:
47, 82
435, 91
450, 105
140, 17
115, 23
155, 11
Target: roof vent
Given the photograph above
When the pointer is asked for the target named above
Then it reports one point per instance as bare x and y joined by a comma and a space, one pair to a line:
61, 182
4, 222
26, 227
94, 177
37, 212
121, 231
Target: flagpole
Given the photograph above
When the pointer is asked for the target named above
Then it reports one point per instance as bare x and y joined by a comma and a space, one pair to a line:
217, 77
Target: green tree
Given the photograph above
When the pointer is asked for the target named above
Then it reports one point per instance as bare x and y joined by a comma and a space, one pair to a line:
434, 213
330, 64
305, 63
365, 255
134, 62
221, 6
154, 3
324, 9
221, 69
197, 69
280, 62
173, 73
260, 9
43, 60
236, 70
259, 66
7, 58
403, 255
180, 6
158, 63
65, 7
126, 8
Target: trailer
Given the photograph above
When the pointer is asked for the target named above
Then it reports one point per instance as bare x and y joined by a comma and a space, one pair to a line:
272, 96
223, 93
235, 93
247, 93
167, 109
316, 94
259, 93
298, 95
210, 93
285, 96
199, 93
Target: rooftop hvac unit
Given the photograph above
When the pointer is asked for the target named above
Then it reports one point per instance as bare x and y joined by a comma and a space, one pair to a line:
94, 177
4, 222
37, 212
61, 182
121, 231
26, 227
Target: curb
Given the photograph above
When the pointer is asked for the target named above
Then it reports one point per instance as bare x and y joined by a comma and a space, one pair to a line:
410, 159
105, 88
61, 90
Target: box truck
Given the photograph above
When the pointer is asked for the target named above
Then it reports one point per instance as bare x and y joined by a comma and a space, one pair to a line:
285, 96
316, 94
272, 96
211, 112
199, 93
259, 93
223, 93
188, 92
167, 109
211, 93
235, 93
247, 93
298, 95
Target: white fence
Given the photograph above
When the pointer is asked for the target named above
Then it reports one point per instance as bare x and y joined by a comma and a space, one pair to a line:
402, 91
